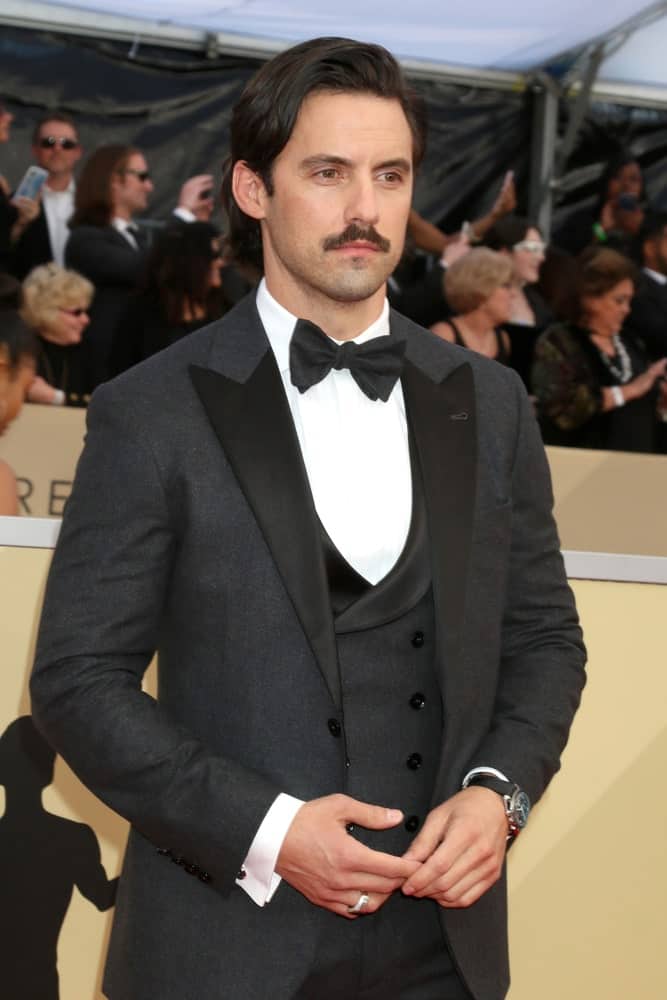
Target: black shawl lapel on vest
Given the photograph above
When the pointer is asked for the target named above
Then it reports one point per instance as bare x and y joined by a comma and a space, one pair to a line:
243, 395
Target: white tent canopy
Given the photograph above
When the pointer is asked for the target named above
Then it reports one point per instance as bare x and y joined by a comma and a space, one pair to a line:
481, 35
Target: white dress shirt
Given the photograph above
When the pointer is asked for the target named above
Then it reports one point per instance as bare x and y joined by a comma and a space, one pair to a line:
58, 209
357, 459
125, 228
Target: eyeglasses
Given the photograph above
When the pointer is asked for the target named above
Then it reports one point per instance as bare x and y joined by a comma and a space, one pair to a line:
74, 312
141, 175
531, 246
49, 141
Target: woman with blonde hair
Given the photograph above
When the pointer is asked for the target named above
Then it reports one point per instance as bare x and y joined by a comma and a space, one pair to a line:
478, 287
55, 305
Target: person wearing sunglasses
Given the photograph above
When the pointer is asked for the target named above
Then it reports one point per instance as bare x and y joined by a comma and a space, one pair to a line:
55, 305
108, 247
520, 240
56, 149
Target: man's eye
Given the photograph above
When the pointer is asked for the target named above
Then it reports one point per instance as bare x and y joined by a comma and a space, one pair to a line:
328, 173
391, 177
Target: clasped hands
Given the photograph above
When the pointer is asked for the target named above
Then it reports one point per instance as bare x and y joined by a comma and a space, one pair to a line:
457, 855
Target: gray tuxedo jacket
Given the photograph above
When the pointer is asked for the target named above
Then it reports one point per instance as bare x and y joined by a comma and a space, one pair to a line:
191, 530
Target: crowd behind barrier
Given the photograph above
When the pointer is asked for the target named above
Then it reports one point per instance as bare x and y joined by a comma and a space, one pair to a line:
581, 319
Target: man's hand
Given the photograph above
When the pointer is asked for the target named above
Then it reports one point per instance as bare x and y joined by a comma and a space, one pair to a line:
191, 196
322, 861
461, 847
28, 209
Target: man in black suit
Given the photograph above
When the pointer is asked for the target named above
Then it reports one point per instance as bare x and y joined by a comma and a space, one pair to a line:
108, 246
648, 318
341, 546
55, 148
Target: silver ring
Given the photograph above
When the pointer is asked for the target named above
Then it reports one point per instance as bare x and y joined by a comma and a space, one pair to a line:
363, 901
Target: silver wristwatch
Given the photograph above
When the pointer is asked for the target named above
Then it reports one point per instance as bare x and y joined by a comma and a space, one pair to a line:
515, 800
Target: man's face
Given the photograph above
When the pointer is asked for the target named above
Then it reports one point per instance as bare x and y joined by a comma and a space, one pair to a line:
49, 152
335, 224
131, 187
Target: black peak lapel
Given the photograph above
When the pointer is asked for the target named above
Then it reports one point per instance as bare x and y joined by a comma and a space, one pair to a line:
253, 422
442, 415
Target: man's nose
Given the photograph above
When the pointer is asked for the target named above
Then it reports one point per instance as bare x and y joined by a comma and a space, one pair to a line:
362, 204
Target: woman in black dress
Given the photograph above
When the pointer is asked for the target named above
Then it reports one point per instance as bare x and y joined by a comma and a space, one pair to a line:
521, 240
181, 291
594, 386
479, 289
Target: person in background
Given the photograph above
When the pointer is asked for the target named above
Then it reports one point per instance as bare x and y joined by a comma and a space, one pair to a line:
647, 321
595, 387
617, 214
15, 213
55, 148
479, 289
17, 370
521, 240
55, 305
180, 291
108, 247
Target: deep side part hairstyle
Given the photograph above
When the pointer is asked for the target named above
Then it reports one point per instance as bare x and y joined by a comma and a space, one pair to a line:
266, 113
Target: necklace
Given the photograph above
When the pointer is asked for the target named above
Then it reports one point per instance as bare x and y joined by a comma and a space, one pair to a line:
623, 370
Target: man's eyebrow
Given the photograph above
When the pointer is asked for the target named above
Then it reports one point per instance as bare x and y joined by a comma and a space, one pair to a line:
330, 159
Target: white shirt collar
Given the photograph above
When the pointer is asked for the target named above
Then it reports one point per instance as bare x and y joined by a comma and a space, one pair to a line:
66, 192
660, 278
279, 325
122, 225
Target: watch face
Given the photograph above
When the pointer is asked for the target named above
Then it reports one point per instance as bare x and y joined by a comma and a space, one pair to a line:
519, 808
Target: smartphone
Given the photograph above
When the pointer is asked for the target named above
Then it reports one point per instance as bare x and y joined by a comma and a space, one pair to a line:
31, 183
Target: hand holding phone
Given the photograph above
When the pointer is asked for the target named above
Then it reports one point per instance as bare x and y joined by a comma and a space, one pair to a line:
32, 183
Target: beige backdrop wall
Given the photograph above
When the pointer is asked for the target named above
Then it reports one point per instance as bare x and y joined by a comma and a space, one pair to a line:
588, 877
605, 501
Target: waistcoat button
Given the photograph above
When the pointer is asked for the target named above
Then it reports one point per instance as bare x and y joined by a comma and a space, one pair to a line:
412, 824
414, 761
418, 700
334, 727
418, 640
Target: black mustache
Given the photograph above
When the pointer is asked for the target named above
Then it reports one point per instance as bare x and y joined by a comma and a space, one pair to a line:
354, 233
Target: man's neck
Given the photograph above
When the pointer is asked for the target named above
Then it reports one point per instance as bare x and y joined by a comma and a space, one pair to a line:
58, 182
121, 213
339, 320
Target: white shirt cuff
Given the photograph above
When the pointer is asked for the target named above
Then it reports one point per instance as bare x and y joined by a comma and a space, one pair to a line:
260, 880
184, 214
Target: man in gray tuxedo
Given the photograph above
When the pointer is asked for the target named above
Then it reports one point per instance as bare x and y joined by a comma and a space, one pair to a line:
341, 546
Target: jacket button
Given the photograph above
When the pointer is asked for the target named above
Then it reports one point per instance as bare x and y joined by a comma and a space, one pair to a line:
418, 640
412, 824
334, 727
192, 869
241, 874
349, 827
204, 876
418, 700
164, 852
178, 860
414, 761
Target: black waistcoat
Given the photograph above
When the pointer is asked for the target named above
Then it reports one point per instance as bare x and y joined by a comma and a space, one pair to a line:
391, 701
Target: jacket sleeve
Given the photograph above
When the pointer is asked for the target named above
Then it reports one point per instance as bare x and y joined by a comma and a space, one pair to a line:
541, 673
99, 630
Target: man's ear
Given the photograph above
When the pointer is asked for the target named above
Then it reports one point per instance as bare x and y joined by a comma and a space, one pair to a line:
248, 190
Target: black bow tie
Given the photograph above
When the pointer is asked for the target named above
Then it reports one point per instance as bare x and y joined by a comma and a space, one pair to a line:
375, 366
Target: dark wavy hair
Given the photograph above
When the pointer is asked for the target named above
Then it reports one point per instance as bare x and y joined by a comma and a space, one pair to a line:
508, 231
178, 267
598, 270
92, 202
265, 115
17, 341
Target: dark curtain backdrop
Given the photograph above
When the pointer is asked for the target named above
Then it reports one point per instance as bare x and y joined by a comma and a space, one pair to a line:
176, 106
